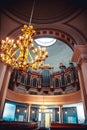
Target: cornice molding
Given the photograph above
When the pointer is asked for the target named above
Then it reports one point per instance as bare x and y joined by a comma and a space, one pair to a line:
48, 100
80, 53
82, 60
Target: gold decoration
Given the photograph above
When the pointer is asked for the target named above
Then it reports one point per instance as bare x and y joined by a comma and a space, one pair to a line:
21, 53
42, 108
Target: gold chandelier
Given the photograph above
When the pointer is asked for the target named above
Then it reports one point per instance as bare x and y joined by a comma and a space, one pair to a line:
43, 107
21, 53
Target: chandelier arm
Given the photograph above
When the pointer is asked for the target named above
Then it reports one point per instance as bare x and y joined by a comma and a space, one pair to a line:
15, 52
17, 58
30, 55
8, 56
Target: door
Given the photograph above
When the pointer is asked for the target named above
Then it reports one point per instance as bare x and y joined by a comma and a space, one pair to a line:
47, 119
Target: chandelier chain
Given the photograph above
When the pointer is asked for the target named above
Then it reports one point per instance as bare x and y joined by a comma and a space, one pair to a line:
32, 11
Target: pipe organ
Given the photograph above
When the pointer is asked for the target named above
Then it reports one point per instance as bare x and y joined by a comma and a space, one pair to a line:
45, 80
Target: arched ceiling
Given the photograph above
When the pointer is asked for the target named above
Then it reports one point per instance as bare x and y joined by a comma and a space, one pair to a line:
45, 11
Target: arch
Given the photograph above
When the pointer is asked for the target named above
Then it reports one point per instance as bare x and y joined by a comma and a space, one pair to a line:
65, 33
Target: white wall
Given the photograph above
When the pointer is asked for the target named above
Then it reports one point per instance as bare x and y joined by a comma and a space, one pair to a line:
80, 113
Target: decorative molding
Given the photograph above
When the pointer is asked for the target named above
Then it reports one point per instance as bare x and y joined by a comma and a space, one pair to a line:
59, 34
77, 30
80, 52
58, 14
48, 100
82, 60
63, 33
12, 17
78, 67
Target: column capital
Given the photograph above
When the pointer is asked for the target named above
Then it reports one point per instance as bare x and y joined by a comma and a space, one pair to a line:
9, 68
60, 105
78, 67
29, 104
83, 60
80, 52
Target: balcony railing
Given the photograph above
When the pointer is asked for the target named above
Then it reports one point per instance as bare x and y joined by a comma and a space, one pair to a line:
45, 80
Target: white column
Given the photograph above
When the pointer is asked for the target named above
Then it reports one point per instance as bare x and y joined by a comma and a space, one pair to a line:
82, 87
2, 73
84, 72
29, 108
4, 89
80, 57
60, 113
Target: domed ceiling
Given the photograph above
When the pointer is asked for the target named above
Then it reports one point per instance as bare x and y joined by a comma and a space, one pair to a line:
43, 13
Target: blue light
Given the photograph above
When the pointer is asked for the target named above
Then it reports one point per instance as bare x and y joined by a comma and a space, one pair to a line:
9, 112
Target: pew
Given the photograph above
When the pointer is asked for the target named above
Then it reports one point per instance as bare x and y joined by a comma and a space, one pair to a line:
57, 126
13, 125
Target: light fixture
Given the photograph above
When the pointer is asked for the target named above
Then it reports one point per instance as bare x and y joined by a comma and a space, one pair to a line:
33, 111
45, 41
43, 107
20, 53
46, 66
18, 110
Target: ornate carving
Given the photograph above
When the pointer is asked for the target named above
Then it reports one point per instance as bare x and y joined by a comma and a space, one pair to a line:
78, 68
83, 60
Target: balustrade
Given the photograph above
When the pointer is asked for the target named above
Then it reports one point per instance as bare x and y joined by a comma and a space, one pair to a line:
55, 80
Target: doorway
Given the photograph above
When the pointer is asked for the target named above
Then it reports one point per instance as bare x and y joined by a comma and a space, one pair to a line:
45, 118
